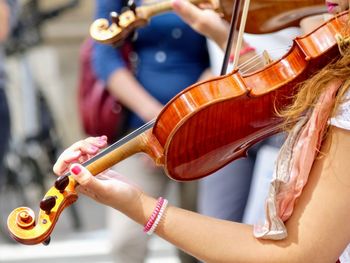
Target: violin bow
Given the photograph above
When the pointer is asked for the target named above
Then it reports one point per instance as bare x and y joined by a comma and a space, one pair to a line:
232, 33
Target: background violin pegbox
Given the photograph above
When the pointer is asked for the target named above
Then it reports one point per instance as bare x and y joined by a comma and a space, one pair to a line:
131, 19
132, 6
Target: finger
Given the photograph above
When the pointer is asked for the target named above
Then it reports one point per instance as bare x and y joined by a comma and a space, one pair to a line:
64, 161
100, 142
79, 152
188, 12
86, 179
86, 146
90, 145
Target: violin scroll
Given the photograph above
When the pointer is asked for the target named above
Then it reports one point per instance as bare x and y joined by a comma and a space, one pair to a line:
22, 224
121, 25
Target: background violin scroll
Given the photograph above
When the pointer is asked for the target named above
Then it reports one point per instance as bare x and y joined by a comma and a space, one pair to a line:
121, 26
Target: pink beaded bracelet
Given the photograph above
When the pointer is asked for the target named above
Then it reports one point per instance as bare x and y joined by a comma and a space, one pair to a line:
154, 215
159, 217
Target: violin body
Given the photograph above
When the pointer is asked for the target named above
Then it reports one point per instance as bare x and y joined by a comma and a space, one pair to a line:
215, 122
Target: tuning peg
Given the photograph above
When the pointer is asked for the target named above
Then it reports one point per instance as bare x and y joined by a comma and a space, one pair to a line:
61, 183
48, 203
115, 18
132, 6
47, 241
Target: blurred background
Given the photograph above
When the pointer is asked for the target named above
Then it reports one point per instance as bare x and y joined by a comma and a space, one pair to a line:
42, 70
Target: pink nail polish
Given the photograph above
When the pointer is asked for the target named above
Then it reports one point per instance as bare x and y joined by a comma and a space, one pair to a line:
76, 170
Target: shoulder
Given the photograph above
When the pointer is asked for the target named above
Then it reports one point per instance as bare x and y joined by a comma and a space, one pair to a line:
322, 211
341, 119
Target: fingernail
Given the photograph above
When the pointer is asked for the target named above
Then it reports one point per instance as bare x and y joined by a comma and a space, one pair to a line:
80, 175
101, 139
76, 170
93, 148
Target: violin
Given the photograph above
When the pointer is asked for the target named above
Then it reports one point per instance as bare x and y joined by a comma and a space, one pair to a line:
239, 110
264, 16
124, 24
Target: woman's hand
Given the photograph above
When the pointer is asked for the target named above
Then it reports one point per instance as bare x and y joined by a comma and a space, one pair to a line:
108, 188
205, 21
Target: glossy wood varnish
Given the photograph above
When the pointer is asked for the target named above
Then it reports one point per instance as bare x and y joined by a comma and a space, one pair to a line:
267, 16
214, 122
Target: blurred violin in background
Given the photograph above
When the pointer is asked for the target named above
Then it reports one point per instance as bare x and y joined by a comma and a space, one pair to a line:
264, 16
124, 25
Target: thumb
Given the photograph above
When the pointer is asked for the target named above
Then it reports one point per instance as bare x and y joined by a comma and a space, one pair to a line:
188, 12
85, 178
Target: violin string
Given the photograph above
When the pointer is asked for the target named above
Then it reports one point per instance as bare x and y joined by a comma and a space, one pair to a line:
250, 69
253, 61
121, 141
258, 60
258, 56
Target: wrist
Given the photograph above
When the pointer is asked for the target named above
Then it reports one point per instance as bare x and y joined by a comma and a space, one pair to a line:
140, 209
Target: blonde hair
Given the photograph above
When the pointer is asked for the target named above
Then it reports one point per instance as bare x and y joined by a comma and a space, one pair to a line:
310, 90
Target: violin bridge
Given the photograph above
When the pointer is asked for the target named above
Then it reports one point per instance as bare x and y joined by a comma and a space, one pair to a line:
266, 58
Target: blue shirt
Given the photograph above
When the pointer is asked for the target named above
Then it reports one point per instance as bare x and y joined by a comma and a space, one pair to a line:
169, 55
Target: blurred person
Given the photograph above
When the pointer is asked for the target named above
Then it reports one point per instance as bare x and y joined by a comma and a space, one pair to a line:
316, 211
167, 56
8, 11
36, 79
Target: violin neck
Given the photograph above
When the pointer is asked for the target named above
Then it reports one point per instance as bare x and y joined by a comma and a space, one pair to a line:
142, 140
147, 11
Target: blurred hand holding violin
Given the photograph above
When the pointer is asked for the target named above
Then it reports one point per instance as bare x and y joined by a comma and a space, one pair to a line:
263, 17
